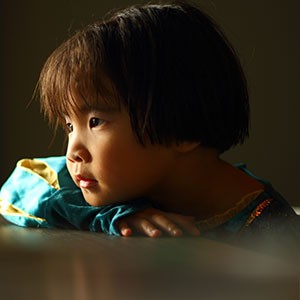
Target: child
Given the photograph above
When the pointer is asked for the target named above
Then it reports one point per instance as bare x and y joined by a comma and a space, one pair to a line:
149, 98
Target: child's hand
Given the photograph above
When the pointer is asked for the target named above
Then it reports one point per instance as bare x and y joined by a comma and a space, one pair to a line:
149, 220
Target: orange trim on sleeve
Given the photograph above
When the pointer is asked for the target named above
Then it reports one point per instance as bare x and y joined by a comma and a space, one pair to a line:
257, 211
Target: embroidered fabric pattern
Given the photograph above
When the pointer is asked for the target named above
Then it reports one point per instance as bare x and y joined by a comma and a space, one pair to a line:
217, 220
257, 211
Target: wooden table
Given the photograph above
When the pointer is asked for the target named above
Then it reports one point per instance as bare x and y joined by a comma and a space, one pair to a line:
70, 264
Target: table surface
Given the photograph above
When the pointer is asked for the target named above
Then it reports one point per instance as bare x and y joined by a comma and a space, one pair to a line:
70, 264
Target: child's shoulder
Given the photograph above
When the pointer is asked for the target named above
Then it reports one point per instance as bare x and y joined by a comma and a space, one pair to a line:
269, 205
265, 218
272, 226
273, 214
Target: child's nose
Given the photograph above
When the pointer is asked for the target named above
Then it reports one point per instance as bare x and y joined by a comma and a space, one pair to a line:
77, 152
74, 159
78, 157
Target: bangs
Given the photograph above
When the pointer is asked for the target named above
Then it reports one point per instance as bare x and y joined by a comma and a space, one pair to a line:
75, 68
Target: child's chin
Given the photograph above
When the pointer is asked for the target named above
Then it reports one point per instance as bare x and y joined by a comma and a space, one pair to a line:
95, 200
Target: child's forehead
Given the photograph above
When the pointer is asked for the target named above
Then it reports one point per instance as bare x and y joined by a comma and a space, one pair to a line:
85, 100
84, 109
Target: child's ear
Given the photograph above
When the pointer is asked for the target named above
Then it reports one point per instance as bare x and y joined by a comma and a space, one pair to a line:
186, 146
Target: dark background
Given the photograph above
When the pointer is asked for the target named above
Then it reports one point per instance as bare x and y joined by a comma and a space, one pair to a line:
266, 35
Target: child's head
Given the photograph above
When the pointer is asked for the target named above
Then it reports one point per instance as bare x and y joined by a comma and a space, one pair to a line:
168, 65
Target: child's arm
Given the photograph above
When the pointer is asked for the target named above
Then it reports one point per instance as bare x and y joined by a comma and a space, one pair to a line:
41, 193
153, 222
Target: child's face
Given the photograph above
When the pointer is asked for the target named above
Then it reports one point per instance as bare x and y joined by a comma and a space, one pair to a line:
106, 161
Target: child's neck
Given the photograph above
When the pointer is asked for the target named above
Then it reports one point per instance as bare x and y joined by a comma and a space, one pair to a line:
202, 185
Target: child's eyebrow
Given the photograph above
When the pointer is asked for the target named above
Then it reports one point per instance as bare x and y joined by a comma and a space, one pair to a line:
100, 108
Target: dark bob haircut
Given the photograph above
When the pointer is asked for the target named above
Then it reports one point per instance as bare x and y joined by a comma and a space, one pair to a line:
168, 65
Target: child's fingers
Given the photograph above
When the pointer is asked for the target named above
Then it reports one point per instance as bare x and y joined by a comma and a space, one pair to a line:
186, 223
148, 222
142, 225
124, 228
190, 228
167, 225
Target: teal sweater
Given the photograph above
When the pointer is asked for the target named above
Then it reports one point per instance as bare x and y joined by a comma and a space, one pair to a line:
41, 193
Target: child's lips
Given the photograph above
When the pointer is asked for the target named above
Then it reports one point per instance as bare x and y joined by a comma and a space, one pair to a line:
85, 183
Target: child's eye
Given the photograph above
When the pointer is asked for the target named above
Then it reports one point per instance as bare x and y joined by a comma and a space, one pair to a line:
69, 127
94, 122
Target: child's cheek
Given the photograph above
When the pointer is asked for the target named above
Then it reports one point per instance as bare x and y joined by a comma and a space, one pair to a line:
71, 170
119, 163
